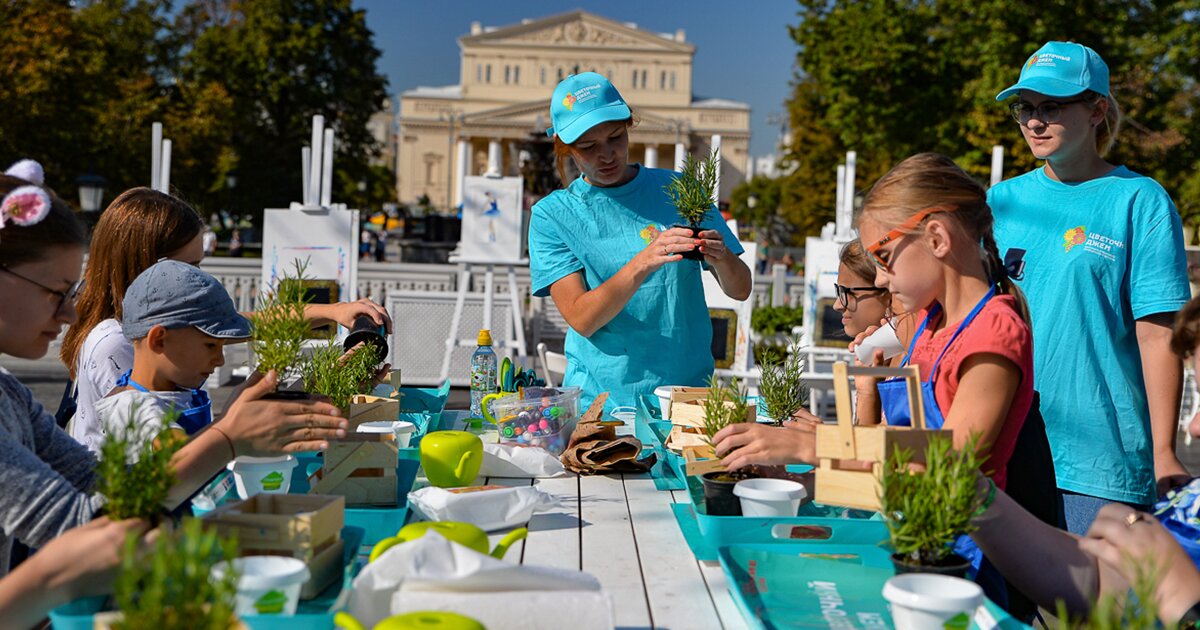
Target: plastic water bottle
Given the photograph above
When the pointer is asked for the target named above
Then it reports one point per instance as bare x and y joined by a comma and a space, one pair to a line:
483, 372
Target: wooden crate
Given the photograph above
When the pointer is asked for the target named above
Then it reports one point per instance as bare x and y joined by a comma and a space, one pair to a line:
851, 458
361, 468
690, 413
289, 524
367, 408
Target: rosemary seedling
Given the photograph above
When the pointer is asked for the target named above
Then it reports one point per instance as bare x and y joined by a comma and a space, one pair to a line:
724, 405
1113, 612
280, 327
927, 511
135, 473
171, 587
780, 391
337, 376
692, 189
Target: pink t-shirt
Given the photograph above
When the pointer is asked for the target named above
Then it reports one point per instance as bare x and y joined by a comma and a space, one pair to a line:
999, 330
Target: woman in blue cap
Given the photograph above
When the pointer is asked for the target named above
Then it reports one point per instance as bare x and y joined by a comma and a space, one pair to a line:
603, 250
1105, 272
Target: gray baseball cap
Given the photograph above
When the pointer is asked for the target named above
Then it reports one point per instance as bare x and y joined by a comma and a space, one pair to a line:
174, 294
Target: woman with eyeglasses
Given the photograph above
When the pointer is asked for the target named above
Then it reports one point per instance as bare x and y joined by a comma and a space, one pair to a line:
1105, 272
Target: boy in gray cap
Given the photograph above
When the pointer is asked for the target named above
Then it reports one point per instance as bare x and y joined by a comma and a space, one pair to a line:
179, 319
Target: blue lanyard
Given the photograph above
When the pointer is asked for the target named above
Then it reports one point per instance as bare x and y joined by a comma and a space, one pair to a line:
933, 312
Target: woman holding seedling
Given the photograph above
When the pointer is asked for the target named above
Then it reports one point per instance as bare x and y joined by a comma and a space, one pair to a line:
603, 250
1105, 272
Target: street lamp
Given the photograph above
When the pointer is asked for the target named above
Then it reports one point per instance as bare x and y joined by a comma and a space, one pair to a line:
91, 191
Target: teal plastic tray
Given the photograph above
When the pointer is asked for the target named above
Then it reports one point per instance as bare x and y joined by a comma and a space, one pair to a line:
311, 614
706, 535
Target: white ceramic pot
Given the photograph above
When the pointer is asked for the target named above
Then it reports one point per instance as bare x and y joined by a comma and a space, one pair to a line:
267, 585
400, 429
769, 497
927, 600
255, 475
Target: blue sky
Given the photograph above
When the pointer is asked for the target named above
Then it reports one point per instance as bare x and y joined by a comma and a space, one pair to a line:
743, 51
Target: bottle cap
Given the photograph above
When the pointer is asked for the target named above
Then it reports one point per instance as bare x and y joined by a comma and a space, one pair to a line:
485, 337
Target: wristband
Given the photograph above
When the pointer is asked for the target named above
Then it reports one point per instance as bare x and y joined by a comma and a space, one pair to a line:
987, 500
228, 440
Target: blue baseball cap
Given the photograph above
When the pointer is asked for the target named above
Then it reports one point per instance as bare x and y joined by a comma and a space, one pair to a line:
582, 101
174, 294
1061, 69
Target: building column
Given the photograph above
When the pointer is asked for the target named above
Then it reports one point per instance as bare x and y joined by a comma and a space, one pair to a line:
495, 159
680, 152
460, 170
651, 156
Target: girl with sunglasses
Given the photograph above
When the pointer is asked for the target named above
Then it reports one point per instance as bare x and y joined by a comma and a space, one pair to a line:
1106, 272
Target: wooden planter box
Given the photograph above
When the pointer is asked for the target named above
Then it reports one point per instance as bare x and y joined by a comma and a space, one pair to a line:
306, 527
367, 408
687, 407
851, 458
360, 467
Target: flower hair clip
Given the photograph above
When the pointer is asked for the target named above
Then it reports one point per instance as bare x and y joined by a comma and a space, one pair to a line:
25, 205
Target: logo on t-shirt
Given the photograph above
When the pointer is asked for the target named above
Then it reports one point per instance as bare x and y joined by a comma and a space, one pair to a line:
649, 233
1093, 243
1074, 236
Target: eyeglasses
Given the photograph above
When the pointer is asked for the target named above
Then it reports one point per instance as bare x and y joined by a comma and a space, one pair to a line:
845, 293
905, 228
70, 294
1046, 111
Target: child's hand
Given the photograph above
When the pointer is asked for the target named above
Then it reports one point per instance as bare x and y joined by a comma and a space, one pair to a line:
750, 443
272, 427
345, 313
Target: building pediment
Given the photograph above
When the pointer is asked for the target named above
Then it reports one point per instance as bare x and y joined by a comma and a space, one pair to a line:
578, 29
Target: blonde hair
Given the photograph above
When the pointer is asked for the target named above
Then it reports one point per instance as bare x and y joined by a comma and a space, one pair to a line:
1106, 134
930, 179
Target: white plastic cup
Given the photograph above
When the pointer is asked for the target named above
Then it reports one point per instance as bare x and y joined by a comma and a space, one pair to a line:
664, 400
928, 600
400, 429
626, 415
883, 339
267, 585
769, 497
256, 475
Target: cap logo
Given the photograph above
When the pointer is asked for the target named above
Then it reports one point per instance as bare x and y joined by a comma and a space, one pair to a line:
569, 102
1047, 60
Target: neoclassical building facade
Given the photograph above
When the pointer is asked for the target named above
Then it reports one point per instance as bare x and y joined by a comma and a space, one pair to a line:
502, 98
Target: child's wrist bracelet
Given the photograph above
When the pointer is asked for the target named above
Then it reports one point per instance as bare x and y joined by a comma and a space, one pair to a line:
989, 499
228, 440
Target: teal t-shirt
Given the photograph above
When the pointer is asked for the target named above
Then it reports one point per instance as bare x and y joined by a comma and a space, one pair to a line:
1098, 255
663, 336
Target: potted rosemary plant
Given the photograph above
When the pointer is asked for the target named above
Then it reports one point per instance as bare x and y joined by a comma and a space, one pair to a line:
280, 329
725, 405
338, 376
134, 472
692, 191
780, 392
171, 587
927, 511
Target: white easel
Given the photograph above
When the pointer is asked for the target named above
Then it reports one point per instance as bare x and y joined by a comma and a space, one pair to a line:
491, 239
465, 269
160, 159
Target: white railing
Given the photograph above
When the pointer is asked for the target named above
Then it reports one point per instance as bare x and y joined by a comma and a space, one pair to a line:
376, 280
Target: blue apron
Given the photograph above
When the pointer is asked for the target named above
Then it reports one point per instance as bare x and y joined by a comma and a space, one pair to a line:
893, 393
198, 416
893, 400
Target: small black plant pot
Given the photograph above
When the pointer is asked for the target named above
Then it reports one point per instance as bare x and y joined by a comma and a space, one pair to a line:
954, 565
286, 395
366, 331
719, 499
695, 253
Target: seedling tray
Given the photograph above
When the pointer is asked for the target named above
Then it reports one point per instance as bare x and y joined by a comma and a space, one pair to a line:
312, 614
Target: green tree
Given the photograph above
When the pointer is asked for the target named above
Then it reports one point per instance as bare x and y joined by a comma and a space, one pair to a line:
758, 203
890, 78
281, 62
